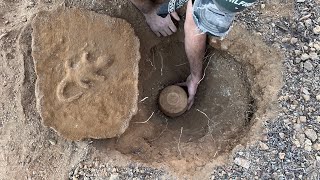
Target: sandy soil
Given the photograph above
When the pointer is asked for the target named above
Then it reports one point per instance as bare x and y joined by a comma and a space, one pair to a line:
31, 150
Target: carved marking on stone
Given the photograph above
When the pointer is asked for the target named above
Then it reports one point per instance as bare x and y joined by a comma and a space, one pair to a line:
87, 72
82, 73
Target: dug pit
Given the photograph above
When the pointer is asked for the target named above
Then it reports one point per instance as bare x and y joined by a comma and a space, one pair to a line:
218, 119
237, 94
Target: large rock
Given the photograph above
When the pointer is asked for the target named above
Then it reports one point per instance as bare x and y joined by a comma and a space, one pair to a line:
87, 70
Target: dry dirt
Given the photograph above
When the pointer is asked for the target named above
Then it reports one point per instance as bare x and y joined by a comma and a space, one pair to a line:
245, 78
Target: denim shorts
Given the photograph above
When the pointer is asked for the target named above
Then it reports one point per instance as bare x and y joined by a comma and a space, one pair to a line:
210, 19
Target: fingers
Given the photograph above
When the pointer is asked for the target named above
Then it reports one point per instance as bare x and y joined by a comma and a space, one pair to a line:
172, 27
162, 26
168, 31
163, 33
157, 33
175, 16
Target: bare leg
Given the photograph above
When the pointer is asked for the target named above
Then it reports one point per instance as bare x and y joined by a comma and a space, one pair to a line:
195, 45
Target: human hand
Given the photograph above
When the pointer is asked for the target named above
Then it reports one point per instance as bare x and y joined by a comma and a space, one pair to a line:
192, 83
161, 26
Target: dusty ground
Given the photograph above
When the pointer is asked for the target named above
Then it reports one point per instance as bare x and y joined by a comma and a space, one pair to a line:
30, 150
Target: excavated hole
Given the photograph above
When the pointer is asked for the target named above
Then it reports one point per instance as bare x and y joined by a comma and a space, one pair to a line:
215, 124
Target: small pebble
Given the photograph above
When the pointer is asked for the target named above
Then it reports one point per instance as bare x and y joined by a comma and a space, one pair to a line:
285, 40
308, 65
314, 56
303, 119
242, 162
282, 155
308, 148
308, 142
311, 134
297, 143
304, 57
306, 97
263, 146
308, 22
316, 30
305, 90
52, 142
264, 138
316, 146
297, 52
294, 40
114, 176
281, 135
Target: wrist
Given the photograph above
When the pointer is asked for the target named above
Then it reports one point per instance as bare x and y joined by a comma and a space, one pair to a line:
196, 77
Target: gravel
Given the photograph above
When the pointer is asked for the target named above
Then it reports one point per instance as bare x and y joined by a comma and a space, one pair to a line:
102, 171
290, 148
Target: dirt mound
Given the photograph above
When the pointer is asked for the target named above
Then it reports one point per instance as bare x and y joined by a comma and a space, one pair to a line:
87, 70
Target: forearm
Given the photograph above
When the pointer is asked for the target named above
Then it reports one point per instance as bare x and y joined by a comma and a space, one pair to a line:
195, 45
145, 6
195, 68
195, 56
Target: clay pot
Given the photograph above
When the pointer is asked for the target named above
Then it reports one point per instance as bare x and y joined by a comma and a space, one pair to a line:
173, 101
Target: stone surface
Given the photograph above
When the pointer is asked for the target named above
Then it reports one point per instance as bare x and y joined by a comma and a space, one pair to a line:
87, 72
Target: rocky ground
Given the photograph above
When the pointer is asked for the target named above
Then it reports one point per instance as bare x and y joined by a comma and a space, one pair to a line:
290, 147
291, 144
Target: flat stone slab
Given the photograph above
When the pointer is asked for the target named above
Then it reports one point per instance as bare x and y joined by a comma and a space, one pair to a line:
87, 72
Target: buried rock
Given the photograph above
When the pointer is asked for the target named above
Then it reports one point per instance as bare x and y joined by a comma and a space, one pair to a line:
87, 72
